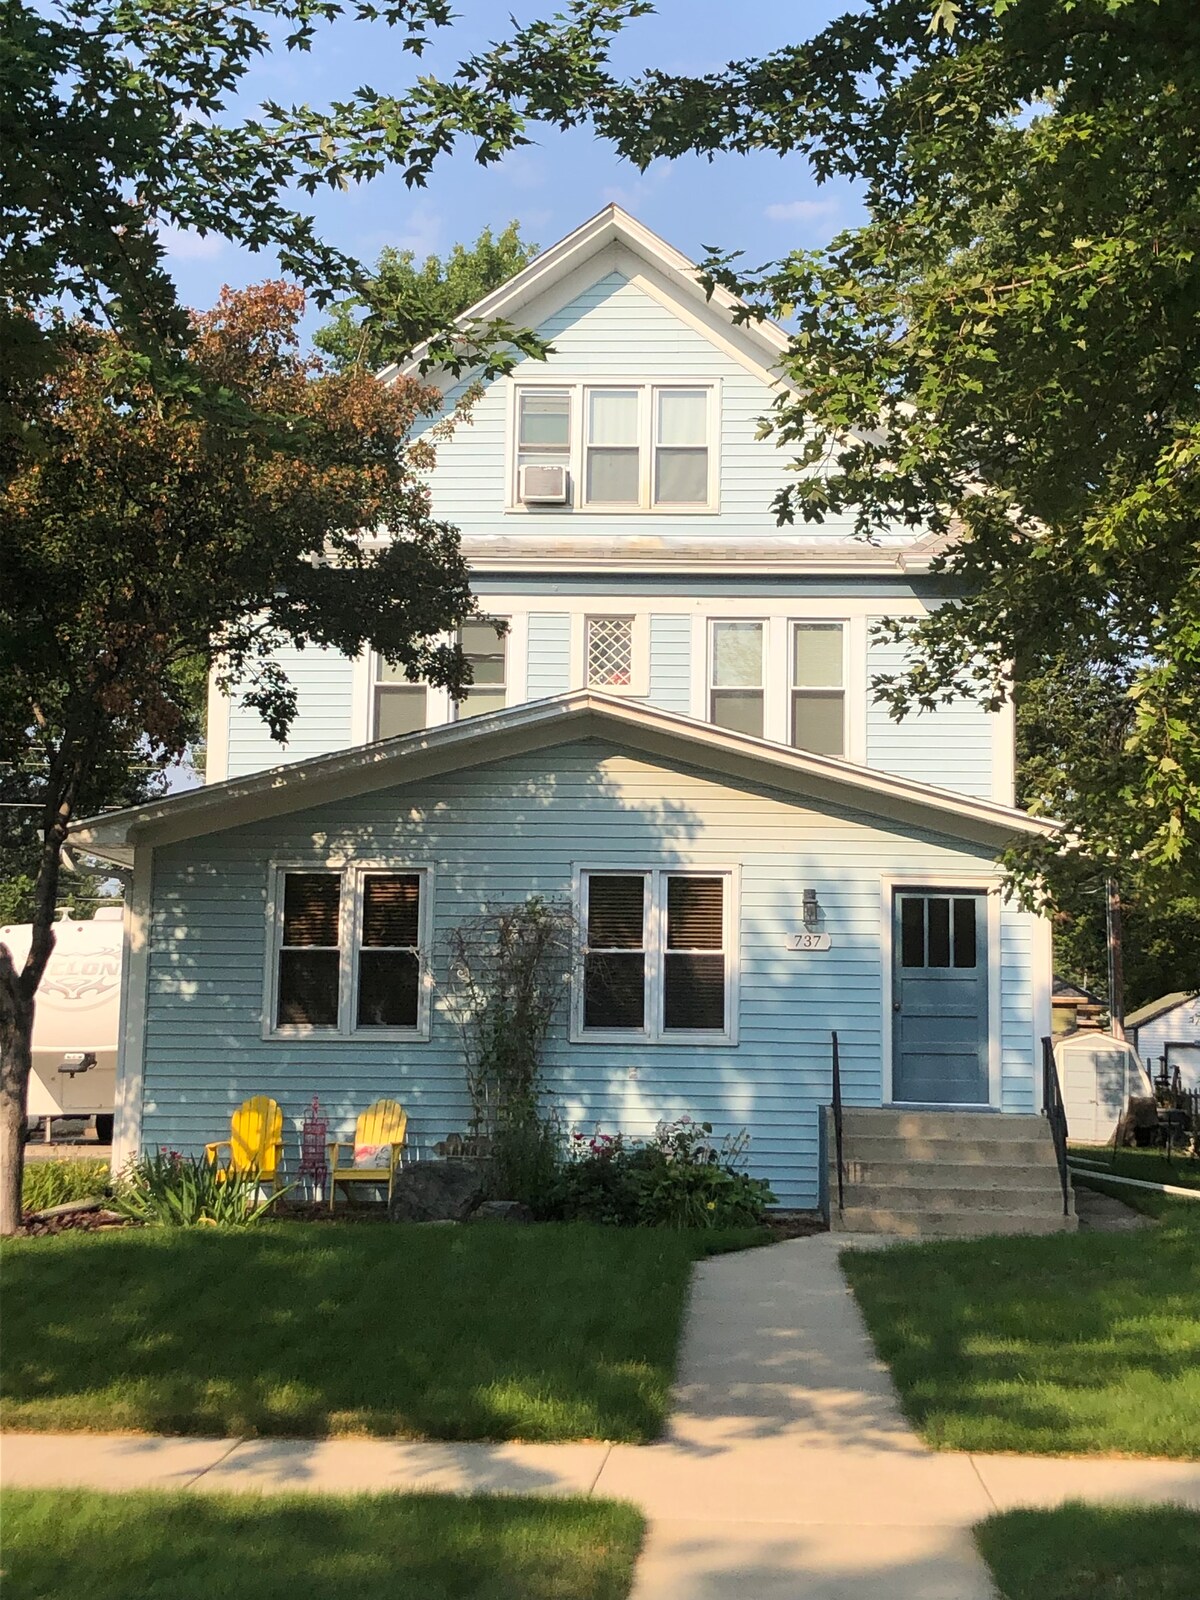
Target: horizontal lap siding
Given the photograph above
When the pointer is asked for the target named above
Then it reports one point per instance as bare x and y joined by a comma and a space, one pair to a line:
950, 746
671, 662
500, 833
1017, 1045
548, 663
323, 681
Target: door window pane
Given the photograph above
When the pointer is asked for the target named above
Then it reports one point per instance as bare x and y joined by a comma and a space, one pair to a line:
817, 723
544, 419
939, 933
912, 931
965, 940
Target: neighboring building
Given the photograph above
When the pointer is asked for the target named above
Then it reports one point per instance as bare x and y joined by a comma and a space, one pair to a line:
676, 732
1167, 1035
1072, 1006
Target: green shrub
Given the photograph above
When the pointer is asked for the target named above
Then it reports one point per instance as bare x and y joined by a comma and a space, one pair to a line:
677, 1179
53, 1183
172, 1190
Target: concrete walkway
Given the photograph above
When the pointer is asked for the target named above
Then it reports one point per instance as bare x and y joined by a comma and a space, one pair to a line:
787, 1470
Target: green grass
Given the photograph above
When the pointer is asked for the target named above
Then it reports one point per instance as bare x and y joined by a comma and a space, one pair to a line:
63, 1543
1083, 1552
308, 1329
1068, 1344
53, 1183
1151, 1166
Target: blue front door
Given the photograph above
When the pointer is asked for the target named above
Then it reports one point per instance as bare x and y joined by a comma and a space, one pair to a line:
940, 998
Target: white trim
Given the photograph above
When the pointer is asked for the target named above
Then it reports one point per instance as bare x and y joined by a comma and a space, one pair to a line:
131, 1030
1041, 958
216, 732
654, 949
639, 672
362, 698
971, 882
350, 877
807, 619
1004, 752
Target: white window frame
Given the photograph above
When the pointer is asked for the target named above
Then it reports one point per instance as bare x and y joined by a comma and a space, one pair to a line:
655, 935
794, 688
350, 913
712, 688
647, 389
505, 641
639, 676
381, 686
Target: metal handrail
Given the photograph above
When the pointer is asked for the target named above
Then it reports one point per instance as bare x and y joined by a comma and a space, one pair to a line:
1055, 1111
837, 1122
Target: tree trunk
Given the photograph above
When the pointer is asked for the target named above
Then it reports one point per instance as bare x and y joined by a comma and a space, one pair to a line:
16, 1058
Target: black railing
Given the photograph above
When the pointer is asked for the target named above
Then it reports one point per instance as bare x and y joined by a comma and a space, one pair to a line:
837, 1122
1055, 1113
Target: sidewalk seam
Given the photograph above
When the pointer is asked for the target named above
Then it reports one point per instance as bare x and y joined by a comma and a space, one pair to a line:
982, 1484
212, 1465
608, 1449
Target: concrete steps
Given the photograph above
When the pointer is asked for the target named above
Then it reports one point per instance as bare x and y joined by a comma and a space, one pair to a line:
945, 1174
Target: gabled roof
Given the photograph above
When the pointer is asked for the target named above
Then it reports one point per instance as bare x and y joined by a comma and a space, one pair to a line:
540, 725
1064, 989
611, 226
1156, 1008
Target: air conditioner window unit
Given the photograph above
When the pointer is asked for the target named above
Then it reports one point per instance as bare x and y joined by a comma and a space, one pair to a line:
543, 484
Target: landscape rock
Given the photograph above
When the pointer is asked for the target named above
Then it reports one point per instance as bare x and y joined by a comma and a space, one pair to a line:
502, 1211
437, 1191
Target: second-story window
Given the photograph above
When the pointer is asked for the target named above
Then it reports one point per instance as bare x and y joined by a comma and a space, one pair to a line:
484, 646
818, 712
624, 446
736, 677
609, 653
399, 706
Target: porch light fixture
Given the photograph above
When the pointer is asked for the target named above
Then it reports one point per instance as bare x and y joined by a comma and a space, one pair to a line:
812, 910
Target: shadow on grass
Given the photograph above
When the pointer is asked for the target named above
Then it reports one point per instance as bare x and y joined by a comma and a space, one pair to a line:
64, 1543
449, 1333
1086, 1552
1066, 1344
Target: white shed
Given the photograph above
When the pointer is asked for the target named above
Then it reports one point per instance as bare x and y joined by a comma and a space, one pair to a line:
1098, 1075
1167, 1033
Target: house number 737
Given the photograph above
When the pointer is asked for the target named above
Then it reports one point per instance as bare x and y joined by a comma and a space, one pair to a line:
809, 941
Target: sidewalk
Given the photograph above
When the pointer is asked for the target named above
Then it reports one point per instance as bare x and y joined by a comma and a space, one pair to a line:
787, 1469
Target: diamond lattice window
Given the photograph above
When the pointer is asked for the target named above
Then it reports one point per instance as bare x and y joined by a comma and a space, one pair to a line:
609, 652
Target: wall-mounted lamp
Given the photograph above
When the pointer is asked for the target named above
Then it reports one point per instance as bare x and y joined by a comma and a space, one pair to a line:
812, 910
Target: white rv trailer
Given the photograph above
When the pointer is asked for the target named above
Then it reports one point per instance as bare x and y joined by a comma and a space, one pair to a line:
76, 1019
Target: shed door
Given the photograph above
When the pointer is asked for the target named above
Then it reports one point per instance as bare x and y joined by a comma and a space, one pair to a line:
940, 998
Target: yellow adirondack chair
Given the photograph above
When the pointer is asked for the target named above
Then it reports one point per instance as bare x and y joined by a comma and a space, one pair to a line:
255, 1142
375, 1153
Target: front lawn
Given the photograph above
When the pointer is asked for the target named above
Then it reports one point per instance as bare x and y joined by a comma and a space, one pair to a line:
1151, 1166
63, 1543
307, 1329
1082, 1552
1072, 1343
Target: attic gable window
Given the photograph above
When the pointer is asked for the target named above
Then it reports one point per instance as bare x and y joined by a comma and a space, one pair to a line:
626, 446
657, 958
348, 953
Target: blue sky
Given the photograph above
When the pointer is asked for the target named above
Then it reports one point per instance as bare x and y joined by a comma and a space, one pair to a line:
760, 204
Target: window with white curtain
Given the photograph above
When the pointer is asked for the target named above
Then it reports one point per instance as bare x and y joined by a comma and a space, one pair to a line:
628, 446
736, 676
819, 687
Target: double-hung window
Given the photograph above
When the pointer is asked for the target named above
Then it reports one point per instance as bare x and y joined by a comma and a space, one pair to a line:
399, 705
627, 446
736, 676
349, 952
657, 955
485, 646
818, 689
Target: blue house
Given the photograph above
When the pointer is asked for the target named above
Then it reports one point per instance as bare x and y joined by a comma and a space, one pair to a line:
674, 732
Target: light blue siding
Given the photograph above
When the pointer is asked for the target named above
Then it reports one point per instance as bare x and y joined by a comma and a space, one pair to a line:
323, 680
1019, 1065
614, 330
548, 668
950, 746
671, 662
1180, 1025
521, 826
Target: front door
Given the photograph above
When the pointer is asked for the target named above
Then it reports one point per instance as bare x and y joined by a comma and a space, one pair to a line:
940, 998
